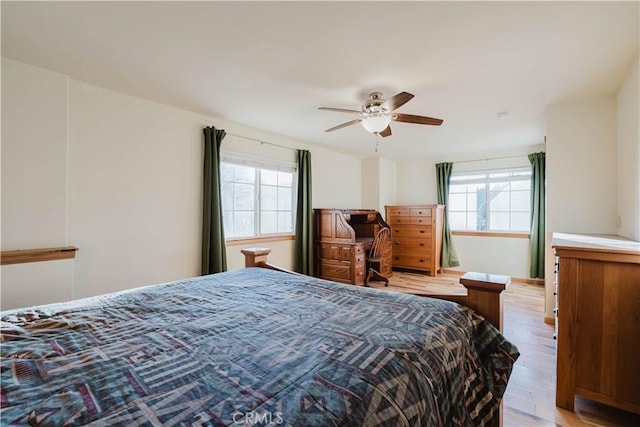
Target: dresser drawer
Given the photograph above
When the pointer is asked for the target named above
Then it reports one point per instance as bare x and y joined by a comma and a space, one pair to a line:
335, 252
421, 212
411, 244
391, 212
411, 231
341, 272
335, 271
412, 260
410, 220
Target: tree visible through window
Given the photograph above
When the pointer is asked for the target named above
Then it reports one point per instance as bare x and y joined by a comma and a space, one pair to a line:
491, 201
256, 199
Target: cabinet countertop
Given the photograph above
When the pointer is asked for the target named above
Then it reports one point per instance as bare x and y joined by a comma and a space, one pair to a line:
608, 243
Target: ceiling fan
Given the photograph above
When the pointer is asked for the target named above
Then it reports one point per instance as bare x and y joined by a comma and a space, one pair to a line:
377, 113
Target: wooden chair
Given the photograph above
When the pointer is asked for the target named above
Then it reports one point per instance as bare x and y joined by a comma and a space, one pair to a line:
374, 256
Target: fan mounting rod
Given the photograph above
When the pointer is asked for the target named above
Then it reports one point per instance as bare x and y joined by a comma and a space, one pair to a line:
374, 104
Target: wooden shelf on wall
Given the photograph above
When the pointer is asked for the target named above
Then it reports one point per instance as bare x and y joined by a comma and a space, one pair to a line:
36, 255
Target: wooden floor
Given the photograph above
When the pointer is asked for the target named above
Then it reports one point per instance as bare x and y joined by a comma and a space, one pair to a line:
530, 396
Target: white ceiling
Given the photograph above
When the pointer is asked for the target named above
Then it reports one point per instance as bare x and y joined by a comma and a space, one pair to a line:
270, 65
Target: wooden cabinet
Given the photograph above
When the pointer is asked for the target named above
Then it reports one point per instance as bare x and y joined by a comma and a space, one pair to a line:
341, 240
416, 236
343, 263
598, 320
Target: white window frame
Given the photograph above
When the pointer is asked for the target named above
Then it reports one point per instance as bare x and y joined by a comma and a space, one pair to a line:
262, 164
504, 175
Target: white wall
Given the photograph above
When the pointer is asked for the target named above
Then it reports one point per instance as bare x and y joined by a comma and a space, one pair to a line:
628, 100
379, 183
371, 180
581, 173
135, 185
34, 181
388, 184
120, 178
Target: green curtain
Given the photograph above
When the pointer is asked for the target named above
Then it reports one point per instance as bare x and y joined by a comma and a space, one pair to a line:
214, 253
449, 255
537, 240
304, 217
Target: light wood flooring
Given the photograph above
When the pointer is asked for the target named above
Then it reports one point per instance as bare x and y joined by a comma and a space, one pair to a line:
530, 396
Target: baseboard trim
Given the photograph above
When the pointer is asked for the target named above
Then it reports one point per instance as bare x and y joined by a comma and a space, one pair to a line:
550, 320
538, 282
452, 272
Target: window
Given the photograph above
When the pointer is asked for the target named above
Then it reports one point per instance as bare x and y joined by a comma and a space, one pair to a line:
491, 201
257, 198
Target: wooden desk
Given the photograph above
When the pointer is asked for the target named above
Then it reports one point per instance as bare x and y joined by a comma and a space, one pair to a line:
342, 238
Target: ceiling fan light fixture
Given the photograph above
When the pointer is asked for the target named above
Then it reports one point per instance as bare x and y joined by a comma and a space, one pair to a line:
376, 123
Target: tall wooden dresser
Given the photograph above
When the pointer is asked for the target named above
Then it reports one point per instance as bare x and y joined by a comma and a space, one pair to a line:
416, 236
598, 318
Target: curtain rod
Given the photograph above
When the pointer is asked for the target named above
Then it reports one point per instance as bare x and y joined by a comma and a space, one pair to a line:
491, 158
260, 141
497, 158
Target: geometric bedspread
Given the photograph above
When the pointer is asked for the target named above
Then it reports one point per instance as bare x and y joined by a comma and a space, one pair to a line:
252, 347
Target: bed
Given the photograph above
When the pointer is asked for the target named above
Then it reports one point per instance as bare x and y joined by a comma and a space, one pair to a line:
252, 347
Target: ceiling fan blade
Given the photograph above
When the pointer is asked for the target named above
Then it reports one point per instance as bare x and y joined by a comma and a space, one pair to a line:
421, 120
340, 110
396, 101
344, 125
386, 131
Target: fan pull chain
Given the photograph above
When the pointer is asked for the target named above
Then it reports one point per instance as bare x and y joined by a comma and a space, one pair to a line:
377, 141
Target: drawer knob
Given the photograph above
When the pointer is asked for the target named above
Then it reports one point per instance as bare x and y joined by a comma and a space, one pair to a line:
397, 258
421, 260
422, 231
419, 212
421, 244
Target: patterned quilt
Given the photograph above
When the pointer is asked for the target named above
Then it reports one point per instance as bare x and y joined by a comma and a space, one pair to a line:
252, 347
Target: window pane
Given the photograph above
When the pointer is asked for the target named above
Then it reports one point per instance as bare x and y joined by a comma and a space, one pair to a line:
457, 202
284, 222
472, 222
457, 188
499, 201
499, 186
463, 178
239, 191
227, 220
520, 221
472, 201
500, 221
269, 198
227, 195
499, 174
285, 179
268, 177
226, 172
521, 185
244, 197
245, 174
269, 222
481, 199
284, 199
481, 220
520, 201
243, 224
458, 220
505, 193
